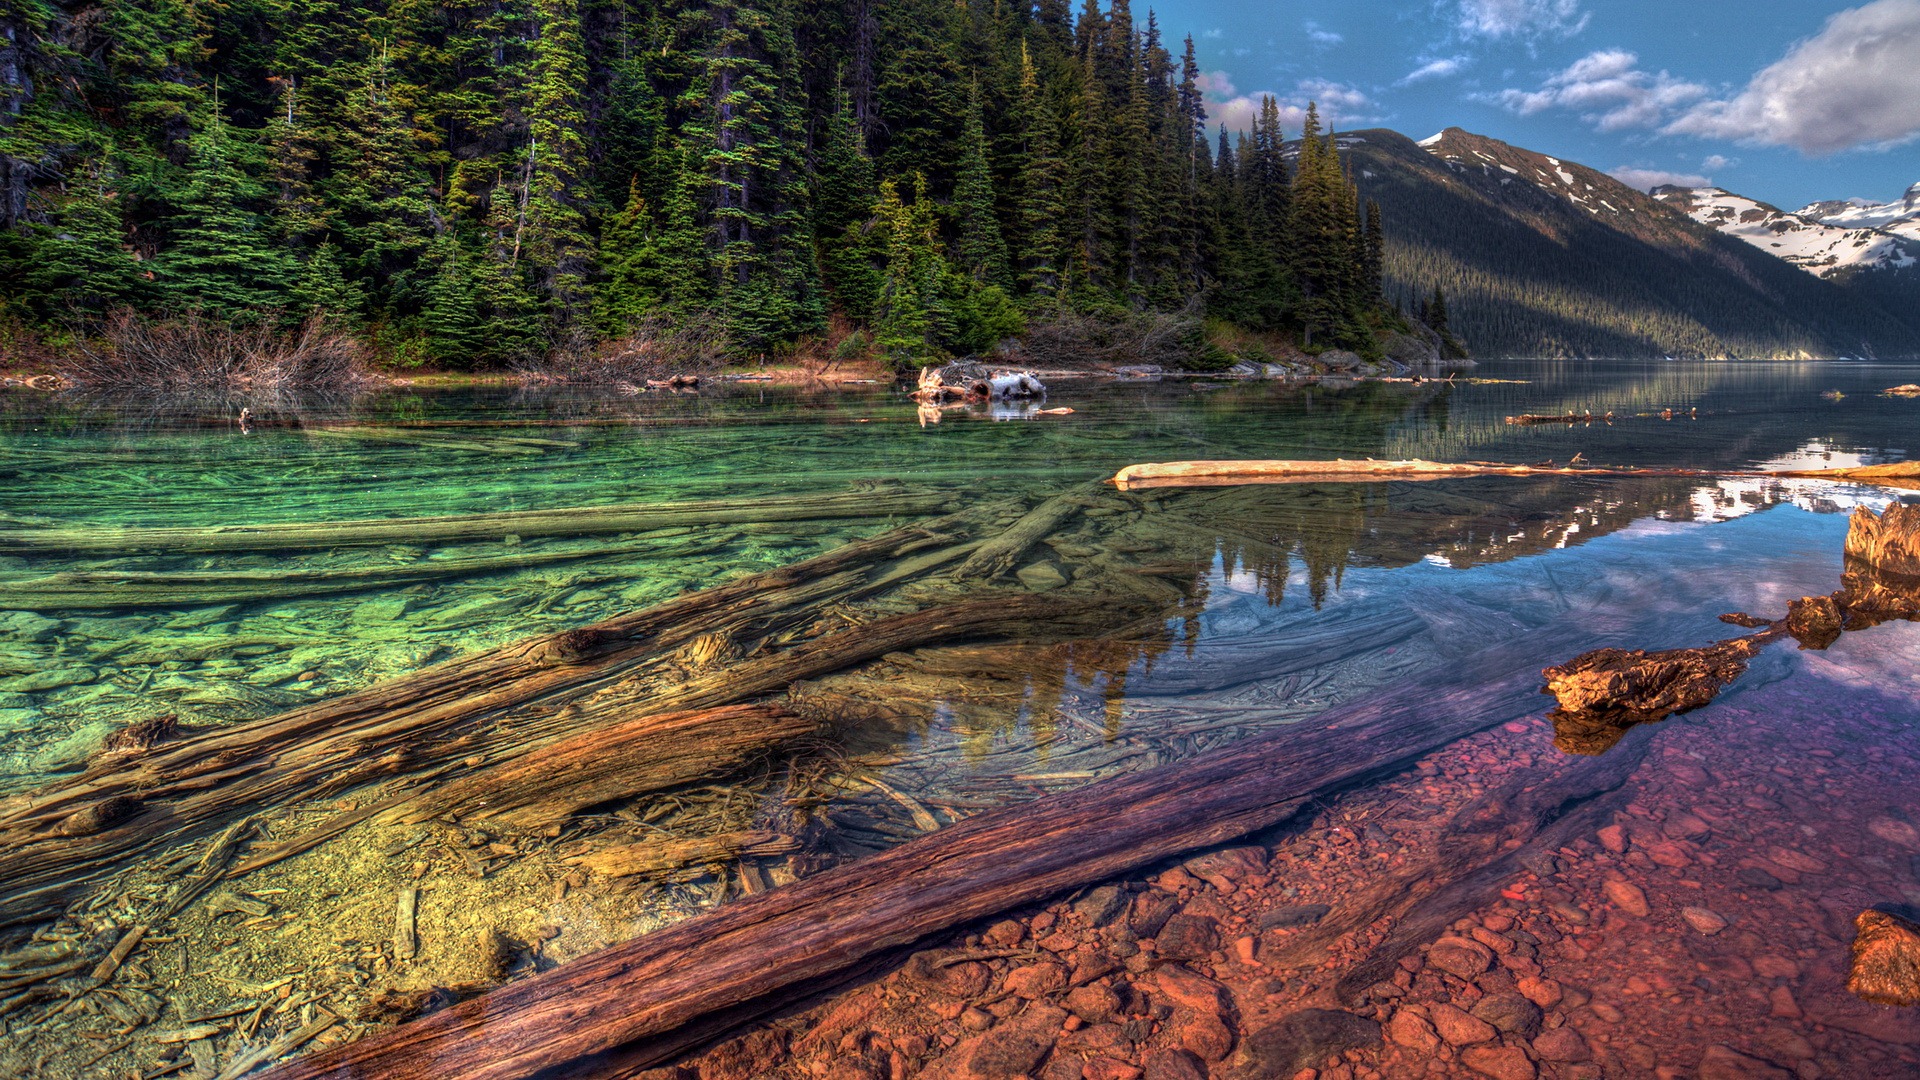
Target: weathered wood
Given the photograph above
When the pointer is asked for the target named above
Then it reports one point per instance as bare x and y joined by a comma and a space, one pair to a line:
570, 521
92, 590
640, 756
997, 555
1228, 473
194, 786
638, 1003
663, 856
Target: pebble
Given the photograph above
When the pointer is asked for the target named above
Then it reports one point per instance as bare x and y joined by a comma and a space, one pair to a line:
1705, 921
1628, 897
1499, 1062
1561, 1044
1895, 832
1302, 1040
1614, 839
1413, 1031
1462, 957
1510, 1012
1459, 1028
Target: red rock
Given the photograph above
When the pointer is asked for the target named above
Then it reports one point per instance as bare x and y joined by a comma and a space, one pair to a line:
1705, 921
1545, 993
1035, 980
1109, 1039
1685, 826
1187, 937
1561, 1044
1614, 839
1668, 853
1106, 1068
1014, 1048
1185, 988
1462, 957
1201, 1033
1687, 773
1173, 1065
1458, 1028
1150, 911
1247, 950
1500, 944
1722, 1062
1885, 959
1782, 1005
1411, 1030
1895, 832
1094, 1004
1499, 1062
1794, 860
1628, 897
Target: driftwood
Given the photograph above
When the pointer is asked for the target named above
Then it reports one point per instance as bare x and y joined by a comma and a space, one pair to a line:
1604, 692
639, 1003
998, 555
572, 521
648, 754
1228, 473
663, 856
1530, 419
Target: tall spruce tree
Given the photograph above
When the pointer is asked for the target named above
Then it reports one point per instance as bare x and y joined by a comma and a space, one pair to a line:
222, 257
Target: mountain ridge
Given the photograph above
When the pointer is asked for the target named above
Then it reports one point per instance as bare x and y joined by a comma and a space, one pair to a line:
1544, 256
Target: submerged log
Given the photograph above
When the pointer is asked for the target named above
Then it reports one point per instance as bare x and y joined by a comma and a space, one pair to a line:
641, 1002
999, 554
666, 856
99, 590
1531, 419
640, 756
571, 521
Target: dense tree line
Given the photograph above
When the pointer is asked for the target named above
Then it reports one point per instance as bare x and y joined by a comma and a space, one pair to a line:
473, 181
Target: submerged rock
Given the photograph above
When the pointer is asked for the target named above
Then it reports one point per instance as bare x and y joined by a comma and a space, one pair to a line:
1304, 1040
1886, 959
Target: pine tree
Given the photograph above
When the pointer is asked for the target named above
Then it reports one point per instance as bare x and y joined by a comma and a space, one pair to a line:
222, 257
1042, 204
82, 257
980, 250
322, 289
450, 319
557, 246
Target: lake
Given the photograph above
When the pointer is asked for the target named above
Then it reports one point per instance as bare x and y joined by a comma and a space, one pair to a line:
165, 571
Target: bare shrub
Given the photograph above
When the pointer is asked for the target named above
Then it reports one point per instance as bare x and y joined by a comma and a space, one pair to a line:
1067, 338
192, 352
657, 349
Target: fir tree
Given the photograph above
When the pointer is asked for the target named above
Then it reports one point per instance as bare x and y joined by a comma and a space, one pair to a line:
222, 257
83, 257
980, 250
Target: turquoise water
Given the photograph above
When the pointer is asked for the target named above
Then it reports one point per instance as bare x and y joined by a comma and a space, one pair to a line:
1288, 600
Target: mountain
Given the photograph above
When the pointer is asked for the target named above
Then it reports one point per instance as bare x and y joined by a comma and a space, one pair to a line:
1818, 245
1541, 256
1901, 217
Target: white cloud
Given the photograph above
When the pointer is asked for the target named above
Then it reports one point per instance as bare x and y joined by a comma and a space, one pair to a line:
1855, 83
1716, 162
1648, 179
1608, 89
1443, 68
1529, 19
1320, 36
1341, 105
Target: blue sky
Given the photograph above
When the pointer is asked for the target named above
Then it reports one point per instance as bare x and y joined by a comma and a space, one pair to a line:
1787, 101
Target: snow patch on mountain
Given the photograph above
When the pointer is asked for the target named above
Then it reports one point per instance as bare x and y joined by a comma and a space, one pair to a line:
1901, 217
1815, 246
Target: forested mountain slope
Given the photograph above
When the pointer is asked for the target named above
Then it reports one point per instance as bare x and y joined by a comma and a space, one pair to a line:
1540, 256
477, 181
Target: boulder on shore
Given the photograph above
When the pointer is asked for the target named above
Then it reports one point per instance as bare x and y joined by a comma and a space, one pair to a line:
1886, 959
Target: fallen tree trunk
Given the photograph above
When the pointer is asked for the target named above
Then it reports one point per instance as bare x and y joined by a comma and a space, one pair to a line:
98, 590
637, 1004
1226, 473
570, 521
997, 555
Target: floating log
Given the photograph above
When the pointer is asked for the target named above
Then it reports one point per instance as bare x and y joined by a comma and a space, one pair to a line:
571, 521
640, 756
642, 1002
1229, 473
1530, 419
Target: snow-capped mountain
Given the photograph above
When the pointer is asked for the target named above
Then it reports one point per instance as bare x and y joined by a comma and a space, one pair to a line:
1901, 216
1821, 247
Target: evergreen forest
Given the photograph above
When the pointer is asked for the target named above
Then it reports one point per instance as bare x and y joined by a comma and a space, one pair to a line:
473, 183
